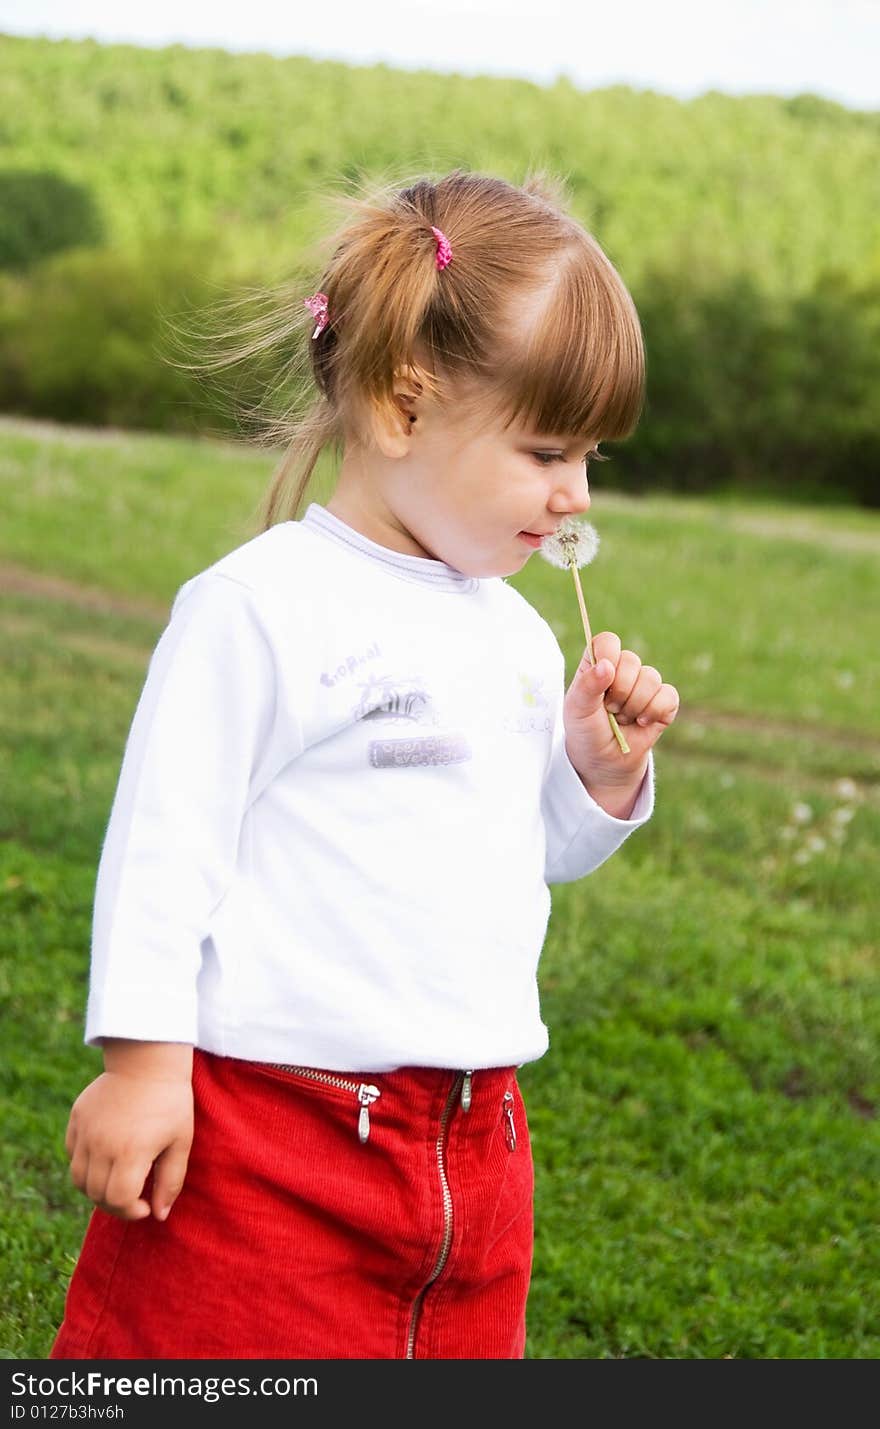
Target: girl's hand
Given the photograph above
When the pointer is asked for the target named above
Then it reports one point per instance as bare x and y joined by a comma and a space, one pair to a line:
633, 692
122, 1125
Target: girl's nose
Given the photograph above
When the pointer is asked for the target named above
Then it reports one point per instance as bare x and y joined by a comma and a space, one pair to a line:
572, 494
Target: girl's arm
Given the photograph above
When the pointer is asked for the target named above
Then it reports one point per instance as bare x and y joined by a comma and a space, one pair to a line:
136, 1116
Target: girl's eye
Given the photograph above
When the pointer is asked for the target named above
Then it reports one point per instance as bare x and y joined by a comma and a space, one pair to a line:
547, 458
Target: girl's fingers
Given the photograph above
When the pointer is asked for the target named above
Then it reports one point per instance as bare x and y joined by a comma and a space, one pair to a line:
169, 1173
606, 646
97, 1171
662, 708
644, 688
624, 682
79, 1168
122, 1192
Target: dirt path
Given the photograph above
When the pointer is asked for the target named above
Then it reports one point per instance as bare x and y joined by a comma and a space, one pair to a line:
19, 580
792, 529
819, 733
773, 525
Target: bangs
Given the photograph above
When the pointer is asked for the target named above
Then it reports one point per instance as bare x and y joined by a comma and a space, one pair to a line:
576, 365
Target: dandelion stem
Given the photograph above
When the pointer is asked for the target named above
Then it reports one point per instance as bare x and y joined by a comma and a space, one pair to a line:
618, 734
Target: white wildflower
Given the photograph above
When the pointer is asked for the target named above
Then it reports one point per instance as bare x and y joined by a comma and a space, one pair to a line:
843, 814
815, 843
574, 543
801, 813
847, 789
803, 855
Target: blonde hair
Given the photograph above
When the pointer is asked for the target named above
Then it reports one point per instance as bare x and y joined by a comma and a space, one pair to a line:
530, 319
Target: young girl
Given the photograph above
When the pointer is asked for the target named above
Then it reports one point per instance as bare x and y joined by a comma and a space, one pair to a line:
352, 773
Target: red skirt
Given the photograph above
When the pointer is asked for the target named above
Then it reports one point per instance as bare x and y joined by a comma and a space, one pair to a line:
372, 1216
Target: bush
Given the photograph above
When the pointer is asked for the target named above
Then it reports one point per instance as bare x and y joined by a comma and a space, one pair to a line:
43, 213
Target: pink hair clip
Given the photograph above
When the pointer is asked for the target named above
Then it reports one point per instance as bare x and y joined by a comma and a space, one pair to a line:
317, 306
444, 249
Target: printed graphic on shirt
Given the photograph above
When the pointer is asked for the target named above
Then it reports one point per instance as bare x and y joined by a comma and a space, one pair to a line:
350, 664
430, 749
529, 720
396, 700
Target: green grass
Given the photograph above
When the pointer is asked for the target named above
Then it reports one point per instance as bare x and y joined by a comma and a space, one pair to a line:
704, 1125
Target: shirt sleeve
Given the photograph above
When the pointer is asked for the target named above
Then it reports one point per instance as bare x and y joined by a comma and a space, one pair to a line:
581, 835
204, 731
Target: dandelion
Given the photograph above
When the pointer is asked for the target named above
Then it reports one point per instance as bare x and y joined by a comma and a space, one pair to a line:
801, 813
843, 814
815, 843
846, 789
574, 544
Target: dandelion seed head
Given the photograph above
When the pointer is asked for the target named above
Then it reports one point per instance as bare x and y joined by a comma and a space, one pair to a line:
801, 813
574, 543
847, 789
843, 814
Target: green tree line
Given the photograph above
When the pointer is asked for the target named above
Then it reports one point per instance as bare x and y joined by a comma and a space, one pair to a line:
139, 184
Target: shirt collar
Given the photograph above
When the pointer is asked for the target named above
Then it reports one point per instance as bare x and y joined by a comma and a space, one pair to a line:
421, 569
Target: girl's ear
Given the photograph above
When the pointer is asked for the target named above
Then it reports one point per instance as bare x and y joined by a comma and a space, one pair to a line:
391, 428
394, 421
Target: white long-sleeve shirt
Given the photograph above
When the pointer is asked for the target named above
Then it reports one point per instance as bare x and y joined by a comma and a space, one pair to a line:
343, 796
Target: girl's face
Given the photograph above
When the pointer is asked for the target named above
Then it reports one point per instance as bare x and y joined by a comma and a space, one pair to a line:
467, 493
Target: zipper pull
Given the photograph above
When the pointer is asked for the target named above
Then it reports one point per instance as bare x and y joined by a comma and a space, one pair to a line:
510, 1129
466, 1091
366, 1096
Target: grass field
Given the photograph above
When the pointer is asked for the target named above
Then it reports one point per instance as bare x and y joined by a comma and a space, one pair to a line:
705, 1124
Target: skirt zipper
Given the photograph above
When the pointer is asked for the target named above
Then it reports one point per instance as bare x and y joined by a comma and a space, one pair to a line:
457, 1090
365, 1092
510, 1129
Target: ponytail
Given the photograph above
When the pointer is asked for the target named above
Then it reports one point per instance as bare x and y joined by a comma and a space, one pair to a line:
529, 316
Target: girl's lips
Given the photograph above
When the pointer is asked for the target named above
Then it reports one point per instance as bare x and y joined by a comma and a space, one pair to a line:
530, 538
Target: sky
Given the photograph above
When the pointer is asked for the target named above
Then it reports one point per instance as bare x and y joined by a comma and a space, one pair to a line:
679, 47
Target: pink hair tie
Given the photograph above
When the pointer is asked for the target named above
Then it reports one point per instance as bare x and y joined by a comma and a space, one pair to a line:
317, 306
444, 249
